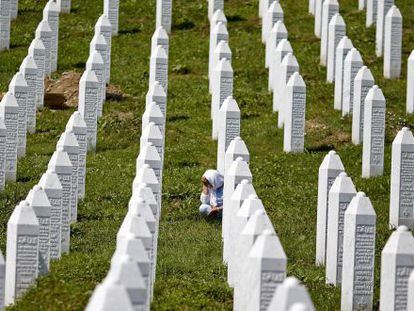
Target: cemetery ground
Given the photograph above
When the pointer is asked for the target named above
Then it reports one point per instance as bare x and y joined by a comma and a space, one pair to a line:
190, 274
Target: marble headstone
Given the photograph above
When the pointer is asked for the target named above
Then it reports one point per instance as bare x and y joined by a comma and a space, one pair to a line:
318, 18
289, 294
222, 51
410, 83
104, 27
336, 31
160, 37
282, 49
64, 5
4, 24
237, 148
277, 33
111, 10
157, 94
392, 43
154, 114
97, 65
44, 33
159, 68
109, 296
99, 44
51, 14
273, 14
213, 6
382, 9
37, 50
163, 14
344, 46
218, 33
329, 9
371, 18
30, 73
353, 62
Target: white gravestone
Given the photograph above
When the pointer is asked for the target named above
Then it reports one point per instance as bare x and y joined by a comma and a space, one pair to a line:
318, 18
124, 271
60, 163
238, 171
144, 191
392, 43
163, 14
22, 252
287, 67
273, 14
109, 296
242, 192
410, 83
39, 202
277, 33
223, 88
336, 31
222, 51
282, 49
258, 223
344, 46
135, 249
9, 112
382, 9
213, 6
54, 191
3, 139
244, 210
111, 9
353, 62
64, 5
329, 9
157, 94
294, 114
410, 297
371, 13
149, 155
263, 271
154, 114
14, 8
397, 263
364, 81
70, 145
160, 37
159, 68
51, 14
147, 175
217, 17
289, 294
97, 65
4, 25
311, 7
19, 88
44, 33
30, 72
361, 4
103, 27
357, 289
263, 6
402, 180
99, 44
340, 195
77, 125
88, 102
374, 133
2, 279
236, 149
229, 120
329, 169
152, 134
37, 50
218, 33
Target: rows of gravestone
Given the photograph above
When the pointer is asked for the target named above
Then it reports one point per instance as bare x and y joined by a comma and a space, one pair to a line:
255, 259
38, 230
129, 283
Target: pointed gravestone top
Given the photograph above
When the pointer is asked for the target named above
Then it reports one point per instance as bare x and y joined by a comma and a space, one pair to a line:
220, 28
345, 44
98, 39
152, 131
250, 206
244, 187
288, 293
43, 27
159, 53
343, 184
375, 94
28, 62
257, 223
153, 110
59, 158
132, 247
94, 58
268, 246
160, 33
68, 139
296, 80
239, 168
338, 20
156, 90
290, 61
23, 214
89, 76
146, 174
218, 16
50, 180
401, 241
237, 146
136, 226
394, 12
404, 137
230, 105
149, 153
353, 56
144, 191
76, 120
9, 100
279, 27
139, 207
364, 74
332, 161
18, 80
360, 205
51, 6
108, 297
224, 66
103, 22
223, 48
284, 45
36, 44
37, 197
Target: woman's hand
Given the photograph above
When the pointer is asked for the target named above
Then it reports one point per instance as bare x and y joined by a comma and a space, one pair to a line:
205, 185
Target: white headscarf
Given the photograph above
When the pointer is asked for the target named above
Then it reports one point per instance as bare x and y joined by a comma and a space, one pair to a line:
215, 179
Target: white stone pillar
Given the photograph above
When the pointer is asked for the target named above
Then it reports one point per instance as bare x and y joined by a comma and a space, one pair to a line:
353, 62
329, 9
344, 46
382, 9
30, 72
392, 43
336, 31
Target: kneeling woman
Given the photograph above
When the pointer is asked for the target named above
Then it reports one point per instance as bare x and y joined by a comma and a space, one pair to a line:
212, 194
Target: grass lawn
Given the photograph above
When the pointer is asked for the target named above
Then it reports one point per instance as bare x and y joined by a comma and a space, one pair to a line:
190, 274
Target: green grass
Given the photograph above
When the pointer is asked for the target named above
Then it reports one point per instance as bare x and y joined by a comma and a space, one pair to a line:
190, 275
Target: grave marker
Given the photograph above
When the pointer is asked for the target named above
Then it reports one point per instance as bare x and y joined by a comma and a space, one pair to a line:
157, 94
19, 88
222, 51
359, 255
3, 138
273, 14
109, 296
229, 120
154, 114
353, 62
318, 18
371, 13
263, 6
77, 125
111, 10
70, 145
336, 31
9, 112
22, 251
410, 298
236, 149
213, 6
99, 44
311, 7
402, 180
149, 155
97, 65
40, 204
329, 9
64, 6
152, 134
289, 294
4, 24
410, 83
14, 8
382, 9
88, 101
282, 49
37, 51
392, 43
159, 68
103, 27
294, 114
277, 33
218, 33
53, 188
344, 46
364, 81
44, 33
30, 73
147, 175
51, 14
160, 37
61, 164
163, 14
144, 191
397, 263
374, 133
340, 195
2, 279
361, 5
